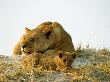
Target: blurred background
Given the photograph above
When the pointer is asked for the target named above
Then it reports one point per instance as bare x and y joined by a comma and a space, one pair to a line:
87, 21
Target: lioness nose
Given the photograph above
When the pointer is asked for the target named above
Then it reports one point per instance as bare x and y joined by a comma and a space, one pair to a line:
23, 46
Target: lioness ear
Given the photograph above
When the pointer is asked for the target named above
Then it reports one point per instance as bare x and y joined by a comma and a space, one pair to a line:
27, 30
60, 54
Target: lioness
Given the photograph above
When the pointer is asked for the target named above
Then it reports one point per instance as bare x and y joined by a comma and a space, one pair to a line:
46, 36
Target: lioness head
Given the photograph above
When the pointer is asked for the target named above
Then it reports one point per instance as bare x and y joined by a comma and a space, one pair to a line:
40, 39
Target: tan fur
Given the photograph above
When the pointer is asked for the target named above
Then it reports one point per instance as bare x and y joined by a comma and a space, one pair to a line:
39, 61
48, 61
46, 36
63, 60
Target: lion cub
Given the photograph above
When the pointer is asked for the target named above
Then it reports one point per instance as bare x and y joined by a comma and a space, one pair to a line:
63, 60
59, 61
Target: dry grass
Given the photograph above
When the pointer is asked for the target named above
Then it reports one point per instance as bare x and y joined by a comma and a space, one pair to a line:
90, 65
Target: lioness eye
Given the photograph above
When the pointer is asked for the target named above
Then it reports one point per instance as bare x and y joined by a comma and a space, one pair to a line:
32, 39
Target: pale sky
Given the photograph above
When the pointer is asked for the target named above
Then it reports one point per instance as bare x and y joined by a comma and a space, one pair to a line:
87, 21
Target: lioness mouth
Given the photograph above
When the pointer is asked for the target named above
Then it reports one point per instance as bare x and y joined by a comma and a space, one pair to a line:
26, 52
